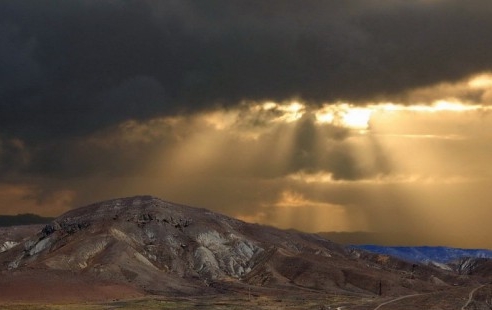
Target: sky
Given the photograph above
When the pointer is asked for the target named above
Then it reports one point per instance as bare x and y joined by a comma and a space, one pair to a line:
323, 116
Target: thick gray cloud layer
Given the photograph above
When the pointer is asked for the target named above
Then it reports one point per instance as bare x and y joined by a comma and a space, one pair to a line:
73, 67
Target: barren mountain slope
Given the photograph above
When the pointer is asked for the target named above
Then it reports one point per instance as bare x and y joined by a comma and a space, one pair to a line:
159, 247
10, 236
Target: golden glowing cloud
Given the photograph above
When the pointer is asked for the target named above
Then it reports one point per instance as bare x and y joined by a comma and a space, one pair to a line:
436, 106
481, 81
19, 199
290, 112
419, 164
292, 209
357, 118
344, 115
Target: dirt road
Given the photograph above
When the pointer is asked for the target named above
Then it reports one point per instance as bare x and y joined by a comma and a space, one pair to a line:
396, 299
470, 297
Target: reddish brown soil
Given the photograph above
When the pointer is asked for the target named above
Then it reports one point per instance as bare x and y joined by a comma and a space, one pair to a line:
17, 233
54, 287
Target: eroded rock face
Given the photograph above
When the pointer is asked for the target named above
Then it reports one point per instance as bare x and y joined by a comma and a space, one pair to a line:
219, 255
164, 247
141, 234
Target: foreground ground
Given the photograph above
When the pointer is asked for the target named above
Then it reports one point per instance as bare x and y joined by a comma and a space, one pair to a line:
460, 298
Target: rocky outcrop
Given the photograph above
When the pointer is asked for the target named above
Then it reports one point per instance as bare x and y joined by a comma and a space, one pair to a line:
7, 245
64, 227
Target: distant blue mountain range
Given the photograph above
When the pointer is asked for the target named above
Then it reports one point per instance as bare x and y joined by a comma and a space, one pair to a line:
426, 254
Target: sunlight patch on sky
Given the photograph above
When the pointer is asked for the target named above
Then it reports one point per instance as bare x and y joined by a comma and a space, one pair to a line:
344, 115
292, 199
426, 136
437, 106
357, 118
338, 114
293, 209
221, 120
280, 112
481, 81
327, 178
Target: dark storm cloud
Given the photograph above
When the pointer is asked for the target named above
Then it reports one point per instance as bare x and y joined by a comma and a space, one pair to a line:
14, 157
72, 67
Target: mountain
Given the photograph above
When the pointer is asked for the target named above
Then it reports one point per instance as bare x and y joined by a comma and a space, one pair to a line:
143, 245
427, 254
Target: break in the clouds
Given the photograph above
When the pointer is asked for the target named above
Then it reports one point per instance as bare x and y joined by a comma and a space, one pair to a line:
317, 115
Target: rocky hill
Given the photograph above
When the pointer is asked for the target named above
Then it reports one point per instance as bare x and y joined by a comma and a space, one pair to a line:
146, 245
